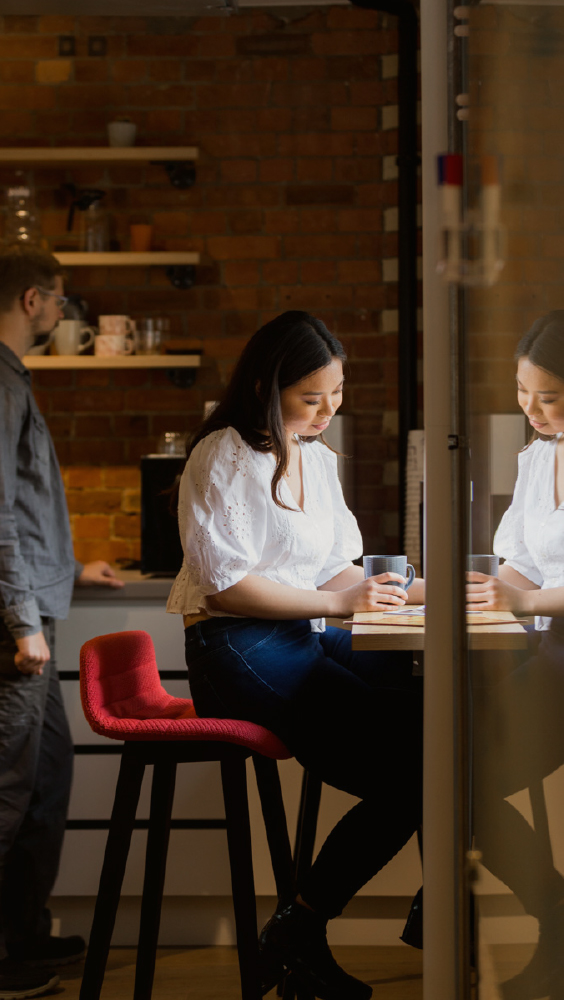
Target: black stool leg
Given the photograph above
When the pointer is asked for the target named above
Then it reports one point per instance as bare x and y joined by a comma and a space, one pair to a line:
272, 805
306, 829
162, 795
115, 859
234, 780
307, 824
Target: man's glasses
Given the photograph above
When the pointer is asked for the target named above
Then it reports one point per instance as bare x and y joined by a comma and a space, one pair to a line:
60, 299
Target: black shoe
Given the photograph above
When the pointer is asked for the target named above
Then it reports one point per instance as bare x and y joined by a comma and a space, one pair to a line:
51, 951
272, 970
412, 933
297, 938
544, 974
18, 981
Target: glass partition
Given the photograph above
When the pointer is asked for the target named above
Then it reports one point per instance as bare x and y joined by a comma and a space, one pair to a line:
514, 157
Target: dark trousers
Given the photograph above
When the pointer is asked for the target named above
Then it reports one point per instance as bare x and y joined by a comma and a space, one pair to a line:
518, 739
352, 718
36, 756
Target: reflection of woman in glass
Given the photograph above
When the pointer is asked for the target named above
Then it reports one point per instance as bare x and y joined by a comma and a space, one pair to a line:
268, 544
520, 733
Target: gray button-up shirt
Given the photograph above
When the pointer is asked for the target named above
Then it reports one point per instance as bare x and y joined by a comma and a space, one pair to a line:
37, 565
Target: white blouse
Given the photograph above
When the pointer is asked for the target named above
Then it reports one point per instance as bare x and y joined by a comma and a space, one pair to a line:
230, 526
530, 536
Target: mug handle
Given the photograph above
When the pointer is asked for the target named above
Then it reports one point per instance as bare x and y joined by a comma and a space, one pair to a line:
90, 331
410, 578
129, 336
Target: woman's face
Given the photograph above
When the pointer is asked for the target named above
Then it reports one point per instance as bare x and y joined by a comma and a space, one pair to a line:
541, 397
307, 406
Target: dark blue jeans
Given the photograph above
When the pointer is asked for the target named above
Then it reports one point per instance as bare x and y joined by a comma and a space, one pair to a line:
518, 740
352, 718
36, 758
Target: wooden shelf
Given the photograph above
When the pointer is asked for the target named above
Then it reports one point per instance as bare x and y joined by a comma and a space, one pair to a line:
49, 362
127, 258
99, 154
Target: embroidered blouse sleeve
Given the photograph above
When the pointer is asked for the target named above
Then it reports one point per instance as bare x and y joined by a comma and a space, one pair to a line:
347, 544
222, 512
509, 541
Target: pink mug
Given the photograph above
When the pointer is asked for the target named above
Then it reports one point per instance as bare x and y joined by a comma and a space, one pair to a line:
115, 336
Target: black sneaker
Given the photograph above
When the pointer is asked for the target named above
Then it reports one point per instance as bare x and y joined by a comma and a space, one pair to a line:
51, 951
18, 981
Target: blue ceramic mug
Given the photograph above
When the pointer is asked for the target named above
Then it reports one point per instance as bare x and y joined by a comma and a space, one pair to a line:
374, 565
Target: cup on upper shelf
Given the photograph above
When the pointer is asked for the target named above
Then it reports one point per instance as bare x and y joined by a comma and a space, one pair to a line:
115, 336
148, 336
140, 237
122, 133
72, 336
374, 565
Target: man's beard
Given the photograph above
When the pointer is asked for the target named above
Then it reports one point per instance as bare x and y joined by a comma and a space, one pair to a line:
39, 335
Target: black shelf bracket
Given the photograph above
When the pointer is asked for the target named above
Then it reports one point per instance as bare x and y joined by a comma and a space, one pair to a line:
182, 378
181, 276
181, 173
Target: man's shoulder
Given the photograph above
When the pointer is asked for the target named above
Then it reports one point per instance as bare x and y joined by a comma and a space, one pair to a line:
14, 392
10, 380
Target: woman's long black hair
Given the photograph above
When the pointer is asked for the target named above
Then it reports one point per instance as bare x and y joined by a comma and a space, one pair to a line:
543, 346
280, 354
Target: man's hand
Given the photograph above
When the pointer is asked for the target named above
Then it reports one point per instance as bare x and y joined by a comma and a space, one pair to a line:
33, 653
99, 574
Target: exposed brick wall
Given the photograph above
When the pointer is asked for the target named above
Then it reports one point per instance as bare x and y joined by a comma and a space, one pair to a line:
517, 75
104, 507
294, 207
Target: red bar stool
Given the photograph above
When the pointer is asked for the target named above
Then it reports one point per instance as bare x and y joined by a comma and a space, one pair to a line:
123, 699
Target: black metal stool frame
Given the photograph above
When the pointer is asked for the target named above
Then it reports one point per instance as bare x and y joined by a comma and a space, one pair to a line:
165, 756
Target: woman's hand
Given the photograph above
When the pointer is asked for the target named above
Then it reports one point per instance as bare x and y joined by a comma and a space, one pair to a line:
377, 593
489, 593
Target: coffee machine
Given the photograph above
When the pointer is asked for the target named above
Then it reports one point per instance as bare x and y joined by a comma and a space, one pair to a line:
161, 550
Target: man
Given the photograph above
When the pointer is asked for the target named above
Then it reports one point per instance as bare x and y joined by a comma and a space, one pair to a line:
37, 575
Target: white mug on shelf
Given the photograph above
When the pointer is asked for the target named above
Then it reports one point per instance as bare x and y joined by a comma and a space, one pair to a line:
72, 336
121, 133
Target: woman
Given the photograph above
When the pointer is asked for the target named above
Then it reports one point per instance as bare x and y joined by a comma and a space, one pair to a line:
522, 739
269, 544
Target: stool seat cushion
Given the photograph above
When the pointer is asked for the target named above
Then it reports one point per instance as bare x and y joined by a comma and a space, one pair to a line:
123, 699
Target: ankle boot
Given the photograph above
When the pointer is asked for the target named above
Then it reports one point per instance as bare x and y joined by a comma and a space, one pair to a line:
297, 938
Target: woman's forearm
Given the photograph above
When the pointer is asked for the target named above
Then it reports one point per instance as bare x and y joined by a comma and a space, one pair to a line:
416, 593
549, 602
257, 597
348, 578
